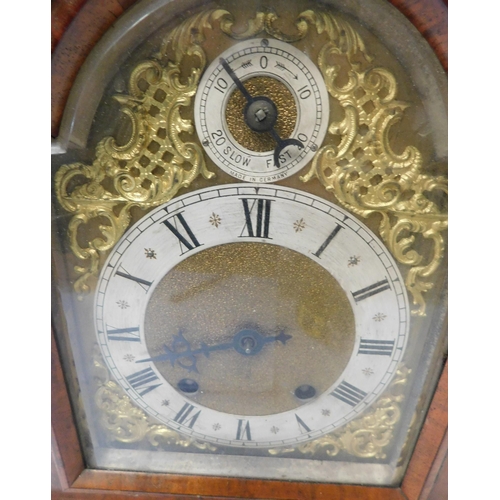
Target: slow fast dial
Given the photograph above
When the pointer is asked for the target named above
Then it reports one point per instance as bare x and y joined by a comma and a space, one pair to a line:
261, 110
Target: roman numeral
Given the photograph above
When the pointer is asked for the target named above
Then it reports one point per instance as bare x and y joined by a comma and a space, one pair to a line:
376, 347
130, 334
188, 240
364, 293
332, 235
183, 416
140, 379
142, 283
302, 425
260, 227
243, 431
348, 394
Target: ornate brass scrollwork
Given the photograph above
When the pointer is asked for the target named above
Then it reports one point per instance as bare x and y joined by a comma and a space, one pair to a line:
366, 436
363, 172
156, 161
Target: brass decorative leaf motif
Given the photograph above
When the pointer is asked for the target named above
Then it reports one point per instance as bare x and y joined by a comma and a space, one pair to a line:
363, 172
364, 437
156, 161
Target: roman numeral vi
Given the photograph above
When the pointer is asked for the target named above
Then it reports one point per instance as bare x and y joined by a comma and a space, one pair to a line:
243, 431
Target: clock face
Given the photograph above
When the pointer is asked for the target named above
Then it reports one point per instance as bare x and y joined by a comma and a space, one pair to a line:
249, 315
261, 110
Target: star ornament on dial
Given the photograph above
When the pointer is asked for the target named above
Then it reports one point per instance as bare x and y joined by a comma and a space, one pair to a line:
267, 317
261, 110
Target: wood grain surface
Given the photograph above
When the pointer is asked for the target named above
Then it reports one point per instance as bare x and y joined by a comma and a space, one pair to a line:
430, 453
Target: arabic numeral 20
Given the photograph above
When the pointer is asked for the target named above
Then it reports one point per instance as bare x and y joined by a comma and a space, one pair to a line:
218, 137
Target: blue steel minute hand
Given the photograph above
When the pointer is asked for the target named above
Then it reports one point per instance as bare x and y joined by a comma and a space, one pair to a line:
247, 342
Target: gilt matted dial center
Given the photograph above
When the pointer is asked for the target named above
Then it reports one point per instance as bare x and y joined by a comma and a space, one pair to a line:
271, 320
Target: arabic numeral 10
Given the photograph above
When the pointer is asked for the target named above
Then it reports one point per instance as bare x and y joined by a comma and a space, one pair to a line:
304, 92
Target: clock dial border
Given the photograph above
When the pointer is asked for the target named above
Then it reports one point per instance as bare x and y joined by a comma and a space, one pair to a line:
375, 289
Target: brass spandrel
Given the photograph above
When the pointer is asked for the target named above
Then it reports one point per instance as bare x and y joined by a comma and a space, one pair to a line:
156, 161
358, 165
367, 436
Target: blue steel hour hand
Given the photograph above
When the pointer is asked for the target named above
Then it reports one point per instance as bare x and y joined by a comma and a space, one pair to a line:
247, 342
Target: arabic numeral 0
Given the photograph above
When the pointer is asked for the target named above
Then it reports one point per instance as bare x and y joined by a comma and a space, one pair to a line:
302, 138
263, 62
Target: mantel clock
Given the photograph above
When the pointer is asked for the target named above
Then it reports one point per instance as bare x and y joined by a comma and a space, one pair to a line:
249, 241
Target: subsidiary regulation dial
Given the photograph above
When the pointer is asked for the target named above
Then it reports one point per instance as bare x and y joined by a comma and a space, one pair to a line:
261, 110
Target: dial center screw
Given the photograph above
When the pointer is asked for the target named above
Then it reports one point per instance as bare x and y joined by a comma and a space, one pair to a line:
248, 343
261, 114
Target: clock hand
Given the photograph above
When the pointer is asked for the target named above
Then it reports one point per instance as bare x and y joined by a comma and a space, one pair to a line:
282, 144
261, 114
236, 80
181, 348
247, 342
173, 356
